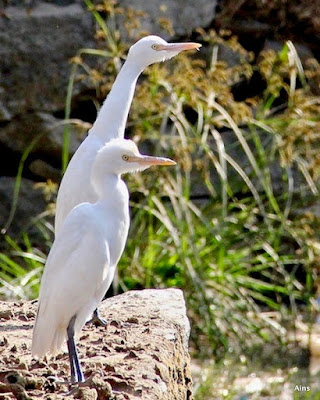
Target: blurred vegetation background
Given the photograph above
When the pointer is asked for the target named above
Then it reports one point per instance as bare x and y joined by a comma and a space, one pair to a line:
236, 224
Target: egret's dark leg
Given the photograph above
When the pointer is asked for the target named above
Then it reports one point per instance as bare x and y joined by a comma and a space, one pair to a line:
76, 373
96, 319
71, 360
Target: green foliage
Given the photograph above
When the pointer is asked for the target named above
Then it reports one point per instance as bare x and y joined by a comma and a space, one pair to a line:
222, 225
20, 272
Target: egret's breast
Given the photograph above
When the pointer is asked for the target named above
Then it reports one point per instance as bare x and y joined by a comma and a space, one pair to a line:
118, 238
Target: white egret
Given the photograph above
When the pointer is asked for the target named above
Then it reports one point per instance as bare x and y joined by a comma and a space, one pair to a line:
83, 258
75, 186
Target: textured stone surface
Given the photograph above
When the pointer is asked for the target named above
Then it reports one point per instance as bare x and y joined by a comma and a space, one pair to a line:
30, 204
36, 46
44, 130
142, 353
185, 15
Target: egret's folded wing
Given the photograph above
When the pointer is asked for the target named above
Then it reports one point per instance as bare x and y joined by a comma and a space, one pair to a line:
66, 242
69, 281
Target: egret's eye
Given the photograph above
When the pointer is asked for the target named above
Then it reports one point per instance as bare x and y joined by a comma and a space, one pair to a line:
125, 157
155, 47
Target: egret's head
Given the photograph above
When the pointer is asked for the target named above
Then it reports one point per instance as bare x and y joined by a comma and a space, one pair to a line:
120, 156
152, 49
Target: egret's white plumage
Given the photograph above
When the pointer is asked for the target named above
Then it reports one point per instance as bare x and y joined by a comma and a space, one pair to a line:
82, 261
75, 187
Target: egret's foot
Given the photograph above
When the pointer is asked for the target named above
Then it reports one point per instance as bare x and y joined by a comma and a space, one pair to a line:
96, 319
75, 386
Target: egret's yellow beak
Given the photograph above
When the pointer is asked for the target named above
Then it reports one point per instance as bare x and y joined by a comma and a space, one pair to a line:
148, 160
179, 46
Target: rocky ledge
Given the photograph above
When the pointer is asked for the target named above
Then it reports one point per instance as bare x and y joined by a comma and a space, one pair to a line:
141, 353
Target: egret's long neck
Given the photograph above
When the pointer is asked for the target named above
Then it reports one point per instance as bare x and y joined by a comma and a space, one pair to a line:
111, 120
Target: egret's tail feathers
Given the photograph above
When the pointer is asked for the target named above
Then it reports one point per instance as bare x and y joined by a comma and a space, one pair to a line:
47, 338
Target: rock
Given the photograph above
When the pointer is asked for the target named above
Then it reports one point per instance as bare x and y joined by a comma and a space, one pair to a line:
155, 354
46, 135
230, 57
255, 21
36, 46
185, 15
32, 3
42, 135
4, 113
30, 204
42, 169
142, 353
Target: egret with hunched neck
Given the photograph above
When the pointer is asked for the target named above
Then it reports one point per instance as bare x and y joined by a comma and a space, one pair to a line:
83, 258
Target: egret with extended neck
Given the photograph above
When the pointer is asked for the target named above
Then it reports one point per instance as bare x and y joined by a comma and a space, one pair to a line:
75, 187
